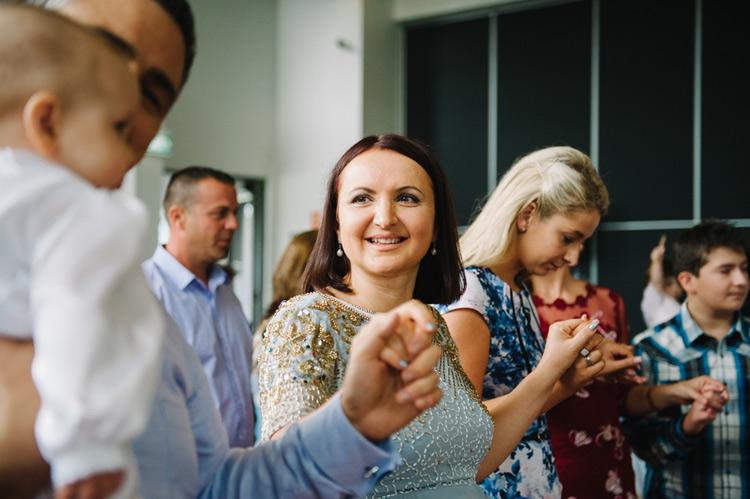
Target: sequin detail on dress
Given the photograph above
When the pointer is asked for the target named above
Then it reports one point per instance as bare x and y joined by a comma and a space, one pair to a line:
306, 348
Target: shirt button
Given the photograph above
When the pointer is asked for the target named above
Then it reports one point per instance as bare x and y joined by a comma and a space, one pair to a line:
369, 473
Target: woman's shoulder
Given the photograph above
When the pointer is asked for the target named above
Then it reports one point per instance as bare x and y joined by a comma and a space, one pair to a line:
301, 309
305, 305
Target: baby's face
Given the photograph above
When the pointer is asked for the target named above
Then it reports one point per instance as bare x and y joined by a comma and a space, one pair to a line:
94, 132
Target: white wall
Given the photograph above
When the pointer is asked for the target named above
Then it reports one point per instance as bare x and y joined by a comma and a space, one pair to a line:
319, 103
225, 117
384, 83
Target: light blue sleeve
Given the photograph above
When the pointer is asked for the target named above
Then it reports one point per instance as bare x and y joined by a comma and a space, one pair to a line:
321, 456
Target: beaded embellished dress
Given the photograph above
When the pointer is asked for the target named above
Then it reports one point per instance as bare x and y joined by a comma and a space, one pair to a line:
516, 346
592, 455
305, 351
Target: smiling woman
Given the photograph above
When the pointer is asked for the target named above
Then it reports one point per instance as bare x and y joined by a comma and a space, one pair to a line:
386, 214
388, 235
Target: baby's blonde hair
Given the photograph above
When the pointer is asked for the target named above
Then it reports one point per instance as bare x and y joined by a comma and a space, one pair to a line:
559, 180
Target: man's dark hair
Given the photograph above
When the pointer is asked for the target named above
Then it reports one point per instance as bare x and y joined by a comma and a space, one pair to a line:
692, 247
178, 10
182, 185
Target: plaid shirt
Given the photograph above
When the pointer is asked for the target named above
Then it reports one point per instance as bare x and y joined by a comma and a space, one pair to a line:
715, 463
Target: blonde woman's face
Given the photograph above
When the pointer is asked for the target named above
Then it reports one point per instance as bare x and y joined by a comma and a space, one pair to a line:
548, 244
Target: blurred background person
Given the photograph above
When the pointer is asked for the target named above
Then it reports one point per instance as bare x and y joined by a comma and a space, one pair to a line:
286, 283
662, 295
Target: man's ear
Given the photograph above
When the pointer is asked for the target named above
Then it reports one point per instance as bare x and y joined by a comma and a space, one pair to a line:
687, 281
176, 216
526, 216
41, 122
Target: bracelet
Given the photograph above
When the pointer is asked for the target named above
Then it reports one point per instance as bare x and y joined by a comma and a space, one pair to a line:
650, 400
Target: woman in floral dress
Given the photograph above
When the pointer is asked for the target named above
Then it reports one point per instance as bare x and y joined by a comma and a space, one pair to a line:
535, 221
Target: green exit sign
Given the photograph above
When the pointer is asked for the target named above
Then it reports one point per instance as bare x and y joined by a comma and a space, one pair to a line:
161, 145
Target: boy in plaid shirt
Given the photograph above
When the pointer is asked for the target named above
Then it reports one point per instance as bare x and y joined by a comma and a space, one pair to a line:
702, 450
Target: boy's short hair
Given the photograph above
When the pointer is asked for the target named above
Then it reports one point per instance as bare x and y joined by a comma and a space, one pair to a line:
42, 50
692, 247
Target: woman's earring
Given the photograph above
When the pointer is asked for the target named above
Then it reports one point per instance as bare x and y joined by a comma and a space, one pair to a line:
523, 229
340, 251
433, 250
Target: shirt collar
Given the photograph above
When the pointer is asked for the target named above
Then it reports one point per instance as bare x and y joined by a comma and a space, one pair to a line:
693, 331
181, 276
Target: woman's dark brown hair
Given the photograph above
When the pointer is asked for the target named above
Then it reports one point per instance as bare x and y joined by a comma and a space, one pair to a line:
440, 278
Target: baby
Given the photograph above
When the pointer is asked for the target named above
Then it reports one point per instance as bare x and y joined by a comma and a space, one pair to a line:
70, 277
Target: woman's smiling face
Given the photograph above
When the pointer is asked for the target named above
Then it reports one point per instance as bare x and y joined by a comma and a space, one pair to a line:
386, 214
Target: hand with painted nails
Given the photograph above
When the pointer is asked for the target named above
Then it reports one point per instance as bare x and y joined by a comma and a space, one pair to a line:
565, 340
390, 377
621, 364
587, 364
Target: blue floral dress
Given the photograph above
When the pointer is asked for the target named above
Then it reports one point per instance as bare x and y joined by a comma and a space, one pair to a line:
516, 346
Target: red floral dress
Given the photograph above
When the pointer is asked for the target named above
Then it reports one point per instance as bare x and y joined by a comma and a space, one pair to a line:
592, 456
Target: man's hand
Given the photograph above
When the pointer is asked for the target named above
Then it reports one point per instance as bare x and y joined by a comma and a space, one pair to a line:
23, 471
702, 390
701, 414
390, 377
99, 486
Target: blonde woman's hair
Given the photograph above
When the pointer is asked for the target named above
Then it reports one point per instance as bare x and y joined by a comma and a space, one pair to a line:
559, 180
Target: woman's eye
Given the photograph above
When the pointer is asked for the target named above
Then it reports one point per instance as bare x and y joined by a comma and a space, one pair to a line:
359, 199
408, 198
567, 239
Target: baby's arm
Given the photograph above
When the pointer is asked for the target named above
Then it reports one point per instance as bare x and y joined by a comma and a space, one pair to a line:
656, 269
97, 334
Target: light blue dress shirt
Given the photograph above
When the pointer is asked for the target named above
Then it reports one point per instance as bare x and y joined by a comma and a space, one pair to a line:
184, 451
212, 322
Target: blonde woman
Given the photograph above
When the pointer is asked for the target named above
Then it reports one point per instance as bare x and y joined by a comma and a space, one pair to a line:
535, 221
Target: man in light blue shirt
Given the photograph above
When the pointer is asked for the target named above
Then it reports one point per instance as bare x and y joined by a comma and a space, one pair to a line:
340, 450
200, 206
